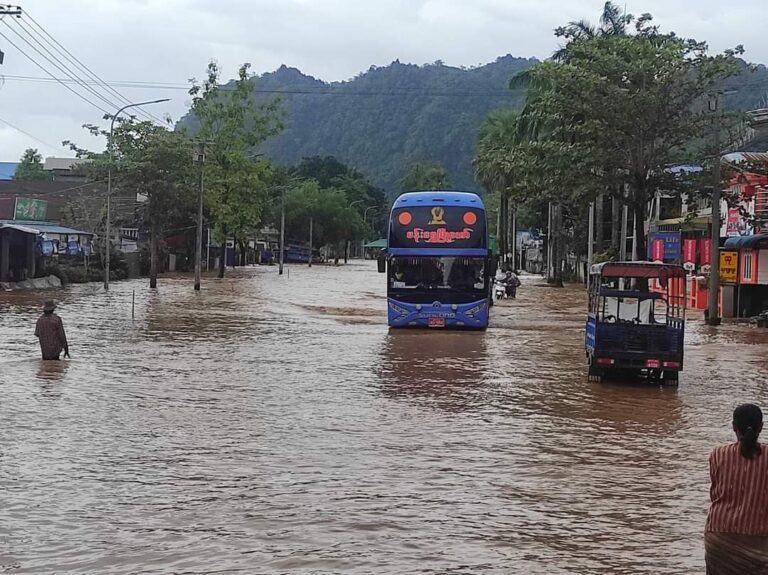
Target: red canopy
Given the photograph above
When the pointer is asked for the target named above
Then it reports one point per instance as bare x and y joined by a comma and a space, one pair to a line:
637, 270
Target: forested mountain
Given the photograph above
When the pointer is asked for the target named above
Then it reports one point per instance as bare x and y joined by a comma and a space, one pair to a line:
388, 118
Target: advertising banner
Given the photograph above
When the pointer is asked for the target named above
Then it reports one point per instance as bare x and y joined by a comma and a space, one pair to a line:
705, 249
671, 246
689, 252
30, 210
729, 266
657, 250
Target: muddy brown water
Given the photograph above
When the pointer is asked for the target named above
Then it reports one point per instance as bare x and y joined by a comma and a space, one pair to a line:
274, 425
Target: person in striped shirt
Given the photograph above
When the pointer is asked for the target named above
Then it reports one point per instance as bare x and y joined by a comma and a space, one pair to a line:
736, 534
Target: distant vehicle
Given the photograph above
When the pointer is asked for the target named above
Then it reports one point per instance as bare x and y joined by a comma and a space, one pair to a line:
631, 331
499, 289
296, 253
439, 269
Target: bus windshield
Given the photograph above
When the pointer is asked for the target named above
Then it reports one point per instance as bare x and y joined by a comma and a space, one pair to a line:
424, 279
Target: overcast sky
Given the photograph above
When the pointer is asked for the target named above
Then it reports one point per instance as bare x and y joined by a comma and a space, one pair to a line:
170, 41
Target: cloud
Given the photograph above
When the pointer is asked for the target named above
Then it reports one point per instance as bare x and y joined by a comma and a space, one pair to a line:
171, 41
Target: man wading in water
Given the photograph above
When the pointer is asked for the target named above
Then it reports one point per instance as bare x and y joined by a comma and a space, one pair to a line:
50, 331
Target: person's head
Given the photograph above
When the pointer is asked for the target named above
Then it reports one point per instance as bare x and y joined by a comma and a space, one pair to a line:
48, 307
747, 424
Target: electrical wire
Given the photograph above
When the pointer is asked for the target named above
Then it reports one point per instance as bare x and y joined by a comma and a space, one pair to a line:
36, 63
81, 66
38, 140
58, 64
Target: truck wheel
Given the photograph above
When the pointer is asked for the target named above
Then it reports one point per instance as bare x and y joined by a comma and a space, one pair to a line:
671, 378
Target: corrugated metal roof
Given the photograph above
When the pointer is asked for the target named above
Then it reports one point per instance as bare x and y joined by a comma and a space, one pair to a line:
19, 228
382, 243
44, 227
7, 170
62, 163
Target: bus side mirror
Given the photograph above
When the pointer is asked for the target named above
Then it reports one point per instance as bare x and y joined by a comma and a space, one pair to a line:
382, 263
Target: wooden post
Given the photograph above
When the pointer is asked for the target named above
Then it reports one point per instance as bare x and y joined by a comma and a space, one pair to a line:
5, 240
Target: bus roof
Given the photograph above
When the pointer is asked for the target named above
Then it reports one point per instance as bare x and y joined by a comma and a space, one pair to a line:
465, 199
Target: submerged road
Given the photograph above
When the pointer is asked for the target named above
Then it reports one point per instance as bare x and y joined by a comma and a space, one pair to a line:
274, 425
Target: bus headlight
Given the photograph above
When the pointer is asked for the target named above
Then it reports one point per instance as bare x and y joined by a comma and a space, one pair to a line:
396, 308
474, 310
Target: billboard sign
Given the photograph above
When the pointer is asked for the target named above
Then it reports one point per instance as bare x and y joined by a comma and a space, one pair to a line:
671, 246
729, 266
30, 210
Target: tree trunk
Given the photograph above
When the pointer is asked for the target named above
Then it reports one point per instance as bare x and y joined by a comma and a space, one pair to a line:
615, 225
223, 259
557, 249
153, 255
503, 246
599, 205
346, 251
243, 250
640, 246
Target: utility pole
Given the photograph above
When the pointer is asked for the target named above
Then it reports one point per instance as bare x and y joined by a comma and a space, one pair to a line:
714, 273
282, 229
110, 147
199, 239
311, 221
8, 10
591, 235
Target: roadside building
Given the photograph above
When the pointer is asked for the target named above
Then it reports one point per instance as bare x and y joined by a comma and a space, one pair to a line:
7, 170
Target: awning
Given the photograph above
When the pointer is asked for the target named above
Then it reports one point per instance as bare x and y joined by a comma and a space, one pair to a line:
638, 269
377, 244
18, 228
756, 241
42, 228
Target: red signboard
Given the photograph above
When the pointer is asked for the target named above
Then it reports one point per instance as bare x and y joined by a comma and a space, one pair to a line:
689, 251
657, 251
705, 249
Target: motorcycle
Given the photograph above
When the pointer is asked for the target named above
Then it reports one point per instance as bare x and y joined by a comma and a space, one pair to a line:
499, 289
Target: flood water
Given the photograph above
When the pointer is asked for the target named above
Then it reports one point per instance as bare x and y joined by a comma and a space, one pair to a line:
273, 424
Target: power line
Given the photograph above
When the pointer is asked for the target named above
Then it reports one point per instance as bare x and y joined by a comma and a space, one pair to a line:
79, 64
323, 92
61, 65
65, 84
57, 63
38, 140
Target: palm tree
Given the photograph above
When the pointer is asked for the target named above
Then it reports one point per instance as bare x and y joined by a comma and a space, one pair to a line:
613, 22
497, 139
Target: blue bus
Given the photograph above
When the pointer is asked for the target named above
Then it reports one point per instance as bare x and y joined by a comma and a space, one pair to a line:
438, 265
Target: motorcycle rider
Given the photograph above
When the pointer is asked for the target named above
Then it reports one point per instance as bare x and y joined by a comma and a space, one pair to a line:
512, 282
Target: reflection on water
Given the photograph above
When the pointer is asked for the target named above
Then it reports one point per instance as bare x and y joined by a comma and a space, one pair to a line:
273, 424
52, 370
444, 368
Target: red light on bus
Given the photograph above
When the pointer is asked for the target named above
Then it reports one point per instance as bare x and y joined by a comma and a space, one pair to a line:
470, 218
652, 363
404, 218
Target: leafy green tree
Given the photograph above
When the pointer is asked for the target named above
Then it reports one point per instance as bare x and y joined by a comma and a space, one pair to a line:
426, 176
615, 111
31, 167
151, 166
232, 123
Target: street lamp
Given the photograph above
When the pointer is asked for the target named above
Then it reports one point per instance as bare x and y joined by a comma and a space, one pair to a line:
713, 317
109, 179
346, 245
365, 220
